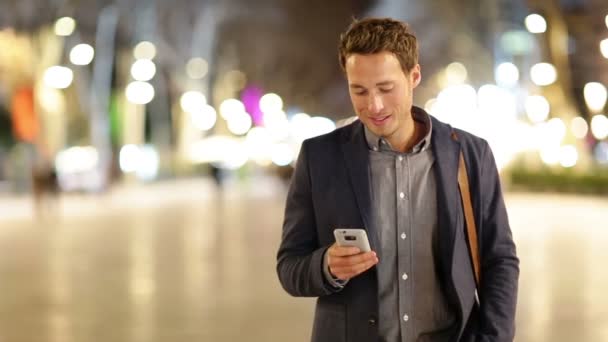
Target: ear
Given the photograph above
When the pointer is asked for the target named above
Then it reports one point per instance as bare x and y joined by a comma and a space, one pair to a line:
416, 75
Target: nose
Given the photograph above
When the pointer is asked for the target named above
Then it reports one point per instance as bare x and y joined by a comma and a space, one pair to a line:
375, 104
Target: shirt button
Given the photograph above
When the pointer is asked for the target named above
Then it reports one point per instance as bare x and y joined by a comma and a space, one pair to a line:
404, 276
406, 318
403, 236
372, 321
375, 148
402, 195
400, 158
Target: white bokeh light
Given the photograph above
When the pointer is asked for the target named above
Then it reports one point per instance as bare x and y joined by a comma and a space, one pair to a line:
568, 156
321, 125
144, 161
143, 70
277, 124
65, 26
496, 101
543, 74
58, 77
551, 155
231, 107
604, 47
599, 126
535, 23
282, 154
239, 123
77, 159
82, 54
547, 138
224, 151
537, 108
234, 159
197, 68
456, 73
129, 158
192, 101
457, 105
528, 139
147, 169
556, 129
259, 144
204, 117
298, 125
595, 95
139, 92
303, 127
579, 127
548, 141
507, 74
271, 103
52, 100
144, 50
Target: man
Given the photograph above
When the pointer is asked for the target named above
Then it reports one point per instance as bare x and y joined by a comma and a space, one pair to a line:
394, 173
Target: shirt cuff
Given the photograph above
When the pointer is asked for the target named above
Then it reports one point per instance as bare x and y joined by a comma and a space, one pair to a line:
335, 282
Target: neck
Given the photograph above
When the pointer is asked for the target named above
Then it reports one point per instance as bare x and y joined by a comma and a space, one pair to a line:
409, 137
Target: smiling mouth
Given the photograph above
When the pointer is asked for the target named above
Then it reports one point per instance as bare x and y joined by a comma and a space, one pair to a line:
380, 120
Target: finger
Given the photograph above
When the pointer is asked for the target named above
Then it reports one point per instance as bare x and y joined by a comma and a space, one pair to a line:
347, 272
355, 268
351, 259
360, 268
349, 262
338, 251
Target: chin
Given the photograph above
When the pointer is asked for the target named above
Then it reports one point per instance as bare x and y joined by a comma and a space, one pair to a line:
380, 132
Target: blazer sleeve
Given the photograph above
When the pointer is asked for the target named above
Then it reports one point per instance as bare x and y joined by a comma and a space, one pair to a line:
499, 262
300, 258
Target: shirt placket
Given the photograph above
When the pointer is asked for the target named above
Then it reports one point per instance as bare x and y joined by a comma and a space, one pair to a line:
404, 247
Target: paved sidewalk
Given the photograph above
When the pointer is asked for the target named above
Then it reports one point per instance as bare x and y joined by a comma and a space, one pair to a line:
123, 196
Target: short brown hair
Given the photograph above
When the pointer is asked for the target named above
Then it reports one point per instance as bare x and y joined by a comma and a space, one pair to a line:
373, 35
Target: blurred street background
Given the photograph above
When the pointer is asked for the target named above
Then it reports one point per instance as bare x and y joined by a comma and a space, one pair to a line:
146, 147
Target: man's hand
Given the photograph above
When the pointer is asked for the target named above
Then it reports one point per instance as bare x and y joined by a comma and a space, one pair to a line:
348, 262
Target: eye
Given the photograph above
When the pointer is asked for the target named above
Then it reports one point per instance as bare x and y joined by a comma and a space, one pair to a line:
360, 92
386, 90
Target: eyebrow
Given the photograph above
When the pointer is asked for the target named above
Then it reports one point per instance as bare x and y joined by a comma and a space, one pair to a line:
379, 84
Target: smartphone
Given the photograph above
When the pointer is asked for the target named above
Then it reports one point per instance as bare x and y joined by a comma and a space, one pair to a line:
352, 237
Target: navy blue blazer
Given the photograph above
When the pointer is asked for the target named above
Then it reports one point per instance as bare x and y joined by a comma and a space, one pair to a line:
330, 188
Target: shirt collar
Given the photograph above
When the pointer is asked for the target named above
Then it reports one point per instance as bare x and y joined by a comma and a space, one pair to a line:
377, 143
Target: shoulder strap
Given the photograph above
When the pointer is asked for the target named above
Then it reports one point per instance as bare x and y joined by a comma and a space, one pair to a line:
465, 195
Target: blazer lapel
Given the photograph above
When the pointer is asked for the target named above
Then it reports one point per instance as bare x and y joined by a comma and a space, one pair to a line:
356, 158
446, 152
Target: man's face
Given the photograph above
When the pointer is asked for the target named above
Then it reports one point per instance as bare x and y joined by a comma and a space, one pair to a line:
381, 93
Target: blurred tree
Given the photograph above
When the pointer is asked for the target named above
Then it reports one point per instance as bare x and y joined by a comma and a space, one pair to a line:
290, 48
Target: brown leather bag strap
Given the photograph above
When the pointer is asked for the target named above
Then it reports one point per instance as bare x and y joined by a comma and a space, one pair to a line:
465, 195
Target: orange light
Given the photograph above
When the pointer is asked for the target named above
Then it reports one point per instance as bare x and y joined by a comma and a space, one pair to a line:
25, 121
